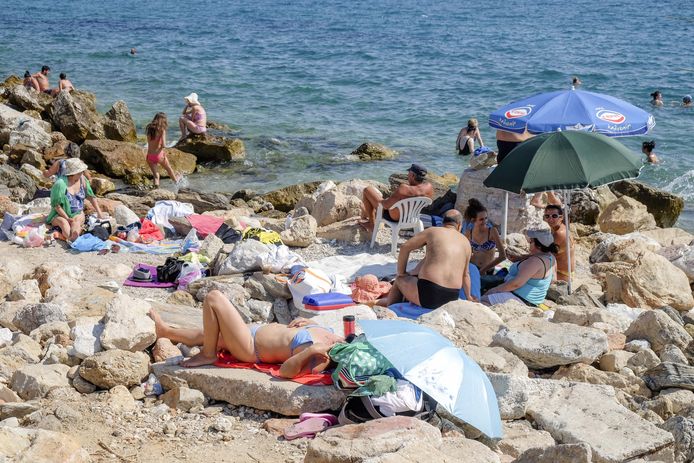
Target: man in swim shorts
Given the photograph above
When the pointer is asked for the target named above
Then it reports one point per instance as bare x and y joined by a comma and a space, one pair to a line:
415, 186
42, 79
438, 278
506, 141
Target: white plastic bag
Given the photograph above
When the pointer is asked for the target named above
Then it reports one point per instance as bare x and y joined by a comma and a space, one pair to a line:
189, 273
308, 281
35, 237
278, 259
191, 242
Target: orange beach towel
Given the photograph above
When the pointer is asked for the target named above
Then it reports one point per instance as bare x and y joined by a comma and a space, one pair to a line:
226, 360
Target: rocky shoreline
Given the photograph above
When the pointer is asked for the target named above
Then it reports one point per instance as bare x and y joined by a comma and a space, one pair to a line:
606, 376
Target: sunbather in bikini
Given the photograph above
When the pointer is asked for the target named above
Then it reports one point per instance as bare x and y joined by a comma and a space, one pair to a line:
301, 346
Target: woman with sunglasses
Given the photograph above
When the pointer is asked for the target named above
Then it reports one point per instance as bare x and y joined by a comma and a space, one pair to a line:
484, 241
554, 216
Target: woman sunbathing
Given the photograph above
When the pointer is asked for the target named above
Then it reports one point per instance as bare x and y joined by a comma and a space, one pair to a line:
301, 347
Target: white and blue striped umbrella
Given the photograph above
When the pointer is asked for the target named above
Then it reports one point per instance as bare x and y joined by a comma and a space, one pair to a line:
433, 364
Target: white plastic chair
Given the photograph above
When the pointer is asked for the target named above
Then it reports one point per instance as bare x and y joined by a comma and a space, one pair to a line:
409, 209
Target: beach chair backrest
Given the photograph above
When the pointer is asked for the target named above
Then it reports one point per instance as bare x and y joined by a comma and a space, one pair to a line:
410, 208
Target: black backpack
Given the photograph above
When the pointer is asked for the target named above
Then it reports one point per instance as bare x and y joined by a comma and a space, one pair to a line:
169, 272
359, 409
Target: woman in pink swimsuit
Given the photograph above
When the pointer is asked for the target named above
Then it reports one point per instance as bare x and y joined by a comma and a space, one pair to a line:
156, 142
194, 118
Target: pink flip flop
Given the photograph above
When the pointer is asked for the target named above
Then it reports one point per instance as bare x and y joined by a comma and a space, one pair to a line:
308, 427
332, 419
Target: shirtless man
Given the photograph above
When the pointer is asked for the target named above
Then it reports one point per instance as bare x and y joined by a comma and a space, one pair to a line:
301, 347
42, 79
371, 198
506, 141
554, 216
438, 278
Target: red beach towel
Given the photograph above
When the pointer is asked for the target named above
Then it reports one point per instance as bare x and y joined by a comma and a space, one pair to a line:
226, 360
205, 224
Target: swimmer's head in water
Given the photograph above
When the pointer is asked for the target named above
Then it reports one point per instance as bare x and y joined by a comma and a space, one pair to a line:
687, 99
648, 146
656, 95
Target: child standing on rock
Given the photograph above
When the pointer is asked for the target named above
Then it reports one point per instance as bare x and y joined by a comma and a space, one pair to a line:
156, 142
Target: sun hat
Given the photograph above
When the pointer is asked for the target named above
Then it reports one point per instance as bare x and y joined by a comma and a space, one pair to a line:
74, 166
141, 274
544, 236
192, 98
367, 288
418, 170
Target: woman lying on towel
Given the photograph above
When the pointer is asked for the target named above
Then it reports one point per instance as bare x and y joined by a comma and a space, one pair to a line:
301, 347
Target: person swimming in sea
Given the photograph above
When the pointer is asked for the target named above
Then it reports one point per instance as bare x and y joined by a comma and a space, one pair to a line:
647, 148
687, 101
657, 98
575, 83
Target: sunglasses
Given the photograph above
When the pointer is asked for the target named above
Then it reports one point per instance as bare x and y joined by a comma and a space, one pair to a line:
554, 216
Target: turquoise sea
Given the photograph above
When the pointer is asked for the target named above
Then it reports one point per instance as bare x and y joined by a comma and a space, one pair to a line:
304, 83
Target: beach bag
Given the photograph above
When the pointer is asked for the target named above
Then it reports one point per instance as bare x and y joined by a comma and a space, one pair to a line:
307, 282
170, 271
327, 301
360, 409
356, 363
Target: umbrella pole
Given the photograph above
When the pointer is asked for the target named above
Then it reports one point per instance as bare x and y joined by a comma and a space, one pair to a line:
567, 206
504, 225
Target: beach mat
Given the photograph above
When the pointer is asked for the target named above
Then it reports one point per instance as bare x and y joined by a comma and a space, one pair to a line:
408, 310
147, 284
226, 360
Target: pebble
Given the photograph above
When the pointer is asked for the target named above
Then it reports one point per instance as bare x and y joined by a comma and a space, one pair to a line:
222, 424
169, 429
11, 422
160, 410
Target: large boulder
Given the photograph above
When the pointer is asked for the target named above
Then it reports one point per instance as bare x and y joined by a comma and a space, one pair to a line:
127, 325
645, 280
24, 445
31, 133
31, 316
682, 257
348, 231
26, 99
474, 324
624, 216
333, 206
363, 442
286, 198
119, 124
544, 345
301, 232
74, 114
127, 160
659, 329
373, 152
18, 185
665, 207
35, 381
585, 207
111, 368
211, 148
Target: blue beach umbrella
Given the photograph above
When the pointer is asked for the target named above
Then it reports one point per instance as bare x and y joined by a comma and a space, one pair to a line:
433, 364
572, 110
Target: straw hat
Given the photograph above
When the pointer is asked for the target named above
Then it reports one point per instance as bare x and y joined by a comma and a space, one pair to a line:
192, 98
367, 288
74, 166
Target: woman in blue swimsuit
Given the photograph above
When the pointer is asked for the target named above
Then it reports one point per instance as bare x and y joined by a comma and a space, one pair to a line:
484, 238
300, 347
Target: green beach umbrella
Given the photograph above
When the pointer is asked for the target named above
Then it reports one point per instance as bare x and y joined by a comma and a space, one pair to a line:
563, 161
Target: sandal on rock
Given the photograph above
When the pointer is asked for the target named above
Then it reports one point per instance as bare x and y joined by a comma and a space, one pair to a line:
308, 428
332, 419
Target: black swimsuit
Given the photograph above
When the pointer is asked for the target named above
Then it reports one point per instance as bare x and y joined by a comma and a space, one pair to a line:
433, 296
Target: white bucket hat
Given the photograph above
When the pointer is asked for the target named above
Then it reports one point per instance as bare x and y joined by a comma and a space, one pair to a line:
192, 98
74, 166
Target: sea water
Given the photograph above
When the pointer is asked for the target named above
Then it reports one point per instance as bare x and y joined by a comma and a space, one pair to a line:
303, 83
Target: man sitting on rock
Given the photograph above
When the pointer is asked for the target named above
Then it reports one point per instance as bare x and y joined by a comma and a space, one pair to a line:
554, 216
42, 79
301, 347
438, 278
371, 198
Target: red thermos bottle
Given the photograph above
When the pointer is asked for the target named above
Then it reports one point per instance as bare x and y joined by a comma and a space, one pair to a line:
348, 324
